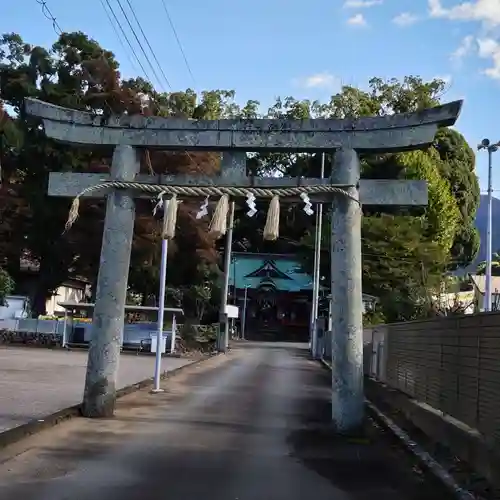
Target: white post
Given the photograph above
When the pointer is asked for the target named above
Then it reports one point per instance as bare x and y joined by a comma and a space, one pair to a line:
223, 319
491, 148
487, 288
313, 301
161, 310
65, 327
317, 272
174, 330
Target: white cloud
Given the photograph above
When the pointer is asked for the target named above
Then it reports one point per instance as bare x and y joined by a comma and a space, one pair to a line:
322, 80
405, 19
361, 4
357, 20
485, 11
465, 48
490, 49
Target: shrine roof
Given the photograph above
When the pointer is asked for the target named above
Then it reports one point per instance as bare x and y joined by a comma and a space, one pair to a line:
264, 270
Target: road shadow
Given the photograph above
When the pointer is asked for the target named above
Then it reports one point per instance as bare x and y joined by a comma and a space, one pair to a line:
368, 463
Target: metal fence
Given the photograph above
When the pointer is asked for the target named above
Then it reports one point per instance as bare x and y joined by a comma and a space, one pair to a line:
34, 331
452, 364
32, 325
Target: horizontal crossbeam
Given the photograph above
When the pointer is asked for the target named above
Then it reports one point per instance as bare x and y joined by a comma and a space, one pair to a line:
371, 192
398, 132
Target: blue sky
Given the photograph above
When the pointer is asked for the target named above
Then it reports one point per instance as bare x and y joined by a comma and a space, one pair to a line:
307, 49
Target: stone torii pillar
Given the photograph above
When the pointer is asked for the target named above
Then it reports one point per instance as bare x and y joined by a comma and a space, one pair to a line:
346, 295
108, 317
348, 138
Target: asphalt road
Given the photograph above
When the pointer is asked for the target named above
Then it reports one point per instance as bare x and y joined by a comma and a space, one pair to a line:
251, 425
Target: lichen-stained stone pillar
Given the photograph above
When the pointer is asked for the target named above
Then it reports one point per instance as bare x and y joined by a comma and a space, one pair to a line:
347, 319
107, 324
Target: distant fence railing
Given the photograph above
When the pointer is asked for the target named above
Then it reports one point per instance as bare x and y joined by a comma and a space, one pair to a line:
43, 331
452, 364
32, 326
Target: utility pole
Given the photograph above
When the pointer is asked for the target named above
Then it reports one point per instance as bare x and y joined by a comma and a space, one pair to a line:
317, 266
224, 320
491, 148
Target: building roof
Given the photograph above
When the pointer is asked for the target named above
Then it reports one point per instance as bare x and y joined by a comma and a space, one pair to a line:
272, 271
479, 282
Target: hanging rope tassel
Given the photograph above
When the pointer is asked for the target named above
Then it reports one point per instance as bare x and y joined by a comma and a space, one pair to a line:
218, 225
170, 218
73, 214
272, 228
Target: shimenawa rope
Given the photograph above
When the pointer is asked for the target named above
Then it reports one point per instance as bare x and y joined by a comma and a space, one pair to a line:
218, 224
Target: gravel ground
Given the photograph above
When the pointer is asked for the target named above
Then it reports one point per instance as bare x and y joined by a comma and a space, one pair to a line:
35, 382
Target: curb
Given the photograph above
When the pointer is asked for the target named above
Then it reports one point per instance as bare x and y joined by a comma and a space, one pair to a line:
425, 460
16, 434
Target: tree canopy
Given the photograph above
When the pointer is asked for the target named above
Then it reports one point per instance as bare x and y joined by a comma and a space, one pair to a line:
405, 251
442, 237
6, 285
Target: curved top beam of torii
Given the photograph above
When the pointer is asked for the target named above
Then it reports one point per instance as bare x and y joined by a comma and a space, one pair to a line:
399, 132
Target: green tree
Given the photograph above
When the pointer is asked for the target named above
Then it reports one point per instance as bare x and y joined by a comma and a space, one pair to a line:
6, 285
442, 214
400, 266
495, 265
453, 197
36, 223
76, 72
458, 167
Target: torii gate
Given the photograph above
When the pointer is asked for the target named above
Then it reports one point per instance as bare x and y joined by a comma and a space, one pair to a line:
347, 138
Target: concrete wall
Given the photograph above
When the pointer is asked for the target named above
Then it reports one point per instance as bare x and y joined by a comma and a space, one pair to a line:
451, 364
450, 370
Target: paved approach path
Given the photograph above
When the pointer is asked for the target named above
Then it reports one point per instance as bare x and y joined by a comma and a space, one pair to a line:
251, 425
35, 382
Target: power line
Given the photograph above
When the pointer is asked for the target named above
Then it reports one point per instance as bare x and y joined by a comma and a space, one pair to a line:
138, 41
145, 73
178, 41
59, 31
153, 100
48, 14
120, 37
57, 28
149, 45
131, 47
